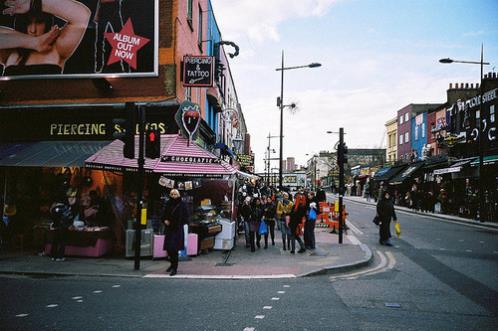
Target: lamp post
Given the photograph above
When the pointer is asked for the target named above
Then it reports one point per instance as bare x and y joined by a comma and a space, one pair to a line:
280, 103
479, 139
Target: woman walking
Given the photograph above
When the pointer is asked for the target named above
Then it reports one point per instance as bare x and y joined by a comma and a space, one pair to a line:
175, 215
385, 212
298, 212
284, 208
254, 222
269, 214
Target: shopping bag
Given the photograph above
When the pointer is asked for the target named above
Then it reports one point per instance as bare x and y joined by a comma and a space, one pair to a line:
397, 228
263, 228
376, 220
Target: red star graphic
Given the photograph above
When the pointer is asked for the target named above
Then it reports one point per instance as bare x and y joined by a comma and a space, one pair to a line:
125, 45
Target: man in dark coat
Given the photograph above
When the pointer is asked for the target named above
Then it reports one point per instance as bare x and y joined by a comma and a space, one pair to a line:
175, 215
385, 212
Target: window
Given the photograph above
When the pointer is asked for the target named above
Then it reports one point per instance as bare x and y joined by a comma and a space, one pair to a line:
189, 12
188, 93
401, 139
406, 117
199, 29
416, 132
401, 119
407, 137
423, 130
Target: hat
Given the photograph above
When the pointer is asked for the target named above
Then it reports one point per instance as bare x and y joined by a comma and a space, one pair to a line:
71, 192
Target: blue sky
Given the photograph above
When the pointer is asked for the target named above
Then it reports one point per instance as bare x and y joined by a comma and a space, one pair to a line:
377, 56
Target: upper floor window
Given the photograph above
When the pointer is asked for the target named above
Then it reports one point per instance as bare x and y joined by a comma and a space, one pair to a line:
423, 130
190, 11
406, 117
401, 139
416, 132
199, 29
407, 137
401, 119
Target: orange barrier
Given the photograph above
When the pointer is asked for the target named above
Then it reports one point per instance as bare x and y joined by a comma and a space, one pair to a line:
329, 218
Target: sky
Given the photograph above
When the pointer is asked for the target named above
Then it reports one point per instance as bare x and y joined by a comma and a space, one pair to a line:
377, 56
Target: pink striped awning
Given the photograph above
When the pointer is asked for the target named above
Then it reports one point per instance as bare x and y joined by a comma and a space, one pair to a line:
178, 158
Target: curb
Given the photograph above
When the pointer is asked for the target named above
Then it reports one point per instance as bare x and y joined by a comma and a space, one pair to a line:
443, 217
49, 274
343, 267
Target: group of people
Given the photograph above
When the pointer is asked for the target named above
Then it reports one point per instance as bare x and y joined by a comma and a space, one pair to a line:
294, 216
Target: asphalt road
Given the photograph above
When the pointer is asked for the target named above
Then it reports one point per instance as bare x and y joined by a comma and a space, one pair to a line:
439, 276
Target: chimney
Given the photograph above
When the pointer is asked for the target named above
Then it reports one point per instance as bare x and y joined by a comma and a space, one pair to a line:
471, 85
466, 86
451, 86
477, 86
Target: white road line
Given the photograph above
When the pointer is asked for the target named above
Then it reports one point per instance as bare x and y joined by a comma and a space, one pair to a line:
281, 292
438, 239
286, 285
382, 264
354, 228
97, 291
267, 307
220, 276
22, 315
249, 329
259, 317
468, 250
275, 299
79, 301
116, 286
482, 242
353, 239
442, 249
390, 264
76, 298
461, 240
52, 305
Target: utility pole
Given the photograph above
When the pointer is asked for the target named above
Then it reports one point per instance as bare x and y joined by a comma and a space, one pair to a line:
140, 184
342, 151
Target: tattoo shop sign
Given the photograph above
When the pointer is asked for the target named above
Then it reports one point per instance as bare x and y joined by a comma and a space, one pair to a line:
198, 71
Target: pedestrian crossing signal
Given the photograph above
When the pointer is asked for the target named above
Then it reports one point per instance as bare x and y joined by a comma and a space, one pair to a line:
153, 144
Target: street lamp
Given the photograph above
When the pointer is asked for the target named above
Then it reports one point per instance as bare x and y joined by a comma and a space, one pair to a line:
479, 140
280, 103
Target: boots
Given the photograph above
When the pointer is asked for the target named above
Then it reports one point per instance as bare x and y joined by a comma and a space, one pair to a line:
284, 245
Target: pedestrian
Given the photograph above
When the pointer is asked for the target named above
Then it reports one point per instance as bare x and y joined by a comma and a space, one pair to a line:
284, 208
62, 217
385, 212
296, 219
254, 222
245, 212
269, 215
174, 216
309, 226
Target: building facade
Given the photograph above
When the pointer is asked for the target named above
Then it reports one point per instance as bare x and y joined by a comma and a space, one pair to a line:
391, 148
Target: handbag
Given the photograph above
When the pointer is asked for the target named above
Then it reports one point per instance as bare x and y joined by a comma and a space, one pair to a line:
397, 228
376, 220
263, 228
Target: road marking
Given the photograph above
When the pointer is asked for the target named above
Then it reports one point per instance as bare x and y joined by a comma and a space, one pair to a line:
380, 268
442, 249
22, 315
281, 292
354, 228
286, 285
97, 291
259, 317
79, 301
76, 298
495, 252
353, 239
468, 250
275, 299
438, 239
52, 305
461, 240
249, 329
267, 307
482, 242
183, 276
116, 286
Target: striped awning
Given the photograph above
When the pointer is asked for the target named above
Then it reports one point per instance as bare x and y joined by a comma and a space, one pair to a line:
178, 158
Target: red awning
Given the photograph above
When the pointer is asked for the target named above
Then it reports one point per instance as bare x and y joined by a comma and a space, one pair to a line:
178, 158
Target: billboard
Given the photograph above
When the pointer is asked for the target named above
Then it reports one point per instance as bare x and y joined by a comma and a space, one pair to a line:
78, 39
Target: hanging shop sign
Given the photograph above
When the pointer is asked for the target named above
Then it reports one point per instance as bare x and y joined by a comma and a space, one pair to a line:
188, 118
189, 159
245, 160
198, 71
82, 39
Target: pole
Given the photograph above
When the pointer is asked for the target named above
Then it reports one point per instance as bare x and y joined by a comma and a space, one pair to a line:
140, 185
280, 176
482, 218
341, 181
268, 160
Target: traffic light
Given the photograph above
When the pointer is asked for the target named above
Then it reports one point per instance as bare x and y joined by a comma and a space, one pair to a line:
153, 144
129, 125
342, 154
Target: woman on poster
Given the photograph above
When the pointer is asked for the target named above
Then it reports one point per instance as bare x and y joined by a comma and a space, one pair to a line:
37, 46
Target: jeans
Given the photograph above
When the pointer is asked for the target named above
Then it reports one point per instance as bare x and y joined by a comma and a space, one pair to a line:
246, 233
284, 229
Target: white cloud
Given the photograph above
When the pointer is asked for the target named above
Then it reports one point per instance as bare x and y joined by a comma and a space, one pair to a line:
259, 20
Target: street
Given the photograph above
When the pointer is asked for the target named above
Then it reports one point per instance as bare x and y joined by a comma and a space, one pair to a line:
438, 276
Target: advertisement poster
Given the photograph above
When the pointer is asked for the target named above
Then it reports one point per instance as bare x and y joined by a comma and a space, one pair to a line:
78, 38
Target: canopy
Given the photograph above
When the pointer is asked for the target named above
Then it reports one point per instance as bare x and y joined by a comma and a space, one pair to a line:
386, 173
407, 173
178, 158
48, 153
487, 160
456, 167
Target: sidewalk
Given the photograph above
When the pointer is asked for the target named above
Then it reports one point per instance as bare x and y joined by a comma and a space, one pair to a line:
273, 262
454, 218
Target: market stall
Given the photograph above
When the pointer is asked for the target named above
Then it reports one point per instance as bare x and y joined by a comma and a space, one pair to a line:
206, 182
